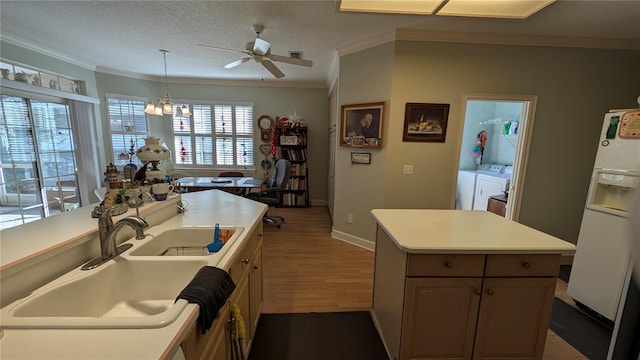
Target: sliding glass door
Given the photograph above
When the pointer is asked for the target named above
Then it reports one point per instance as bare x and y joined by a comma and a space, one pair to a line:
38, 168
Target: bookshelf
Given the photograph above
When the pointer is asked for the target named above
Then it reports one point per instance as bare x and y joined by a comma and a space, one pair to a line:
292, 143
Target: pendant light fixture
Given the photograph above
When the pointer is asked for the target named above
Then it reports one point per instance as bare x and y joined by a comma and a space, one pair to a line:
165, 105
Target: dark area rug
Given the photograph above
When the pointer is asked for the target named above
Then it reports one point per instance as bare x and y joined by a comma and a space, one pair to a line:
317, 336
588, 336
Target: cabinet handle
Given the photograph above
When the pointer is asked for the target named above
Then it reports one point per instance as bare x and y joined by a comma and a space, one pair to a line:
448, 264
477, 292
255, 267
260, 236
526, 265
490, 292
245, 261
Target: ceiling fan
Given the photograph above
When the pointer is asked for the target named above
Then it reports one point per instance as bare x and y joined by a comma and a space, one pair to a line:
259, 51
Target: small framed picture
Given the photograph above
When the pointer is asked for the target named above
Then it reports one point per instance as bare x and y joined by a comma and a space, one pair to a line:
361, 125
425, 122
360, 158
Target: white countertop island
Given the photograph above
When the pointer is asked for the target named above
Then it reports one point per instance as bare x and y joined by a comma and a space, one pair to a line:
25, 247
462, 284
460, 231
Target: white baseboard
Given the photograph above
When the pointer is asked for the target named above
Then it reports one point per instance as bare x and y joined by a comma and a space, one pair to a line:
354, 240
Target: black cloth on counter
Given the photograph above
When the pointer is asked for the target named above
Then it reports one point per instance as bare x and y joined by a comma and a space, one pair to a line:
210, 289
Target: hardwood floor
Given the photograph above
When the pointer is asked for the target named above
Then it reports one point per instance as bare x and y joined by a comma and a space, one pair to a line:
306, 270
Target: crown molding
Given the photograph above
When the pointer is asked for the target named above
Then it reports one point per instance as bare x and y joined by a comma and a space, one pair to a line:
46, 51
368, 43
210, 81
514, 39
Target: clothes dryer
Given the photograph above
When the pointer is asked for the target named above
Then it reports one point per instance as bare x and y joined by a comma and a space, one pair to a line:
490, 180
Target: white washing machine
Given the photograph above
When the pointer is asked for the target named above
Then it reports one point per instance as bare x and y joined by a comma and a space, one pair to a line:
490, 180
465, 189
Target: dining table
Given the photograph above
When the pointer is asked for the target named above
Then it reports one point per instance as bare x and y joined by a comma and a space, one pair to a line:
192, 184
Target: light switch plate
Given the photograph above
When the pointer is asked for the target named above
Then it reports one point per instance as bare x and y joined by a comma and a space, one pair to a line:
407, 170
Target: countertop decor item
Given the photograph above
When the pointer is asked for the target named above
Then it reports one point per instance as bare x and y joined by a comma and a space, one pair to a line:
165, 105
153, 152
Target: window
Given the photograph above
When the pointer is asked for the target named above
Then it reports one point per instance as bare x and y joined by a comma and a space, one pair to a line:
38, 165
128, 125
216, 134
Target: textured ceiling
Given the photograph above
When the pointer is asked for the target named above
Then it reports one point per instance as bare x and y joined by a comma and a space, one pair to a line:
126, 35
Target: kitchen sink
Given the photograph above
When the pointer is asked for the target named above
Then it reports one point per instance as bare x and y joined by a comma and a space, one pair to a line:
185, 241
123, 293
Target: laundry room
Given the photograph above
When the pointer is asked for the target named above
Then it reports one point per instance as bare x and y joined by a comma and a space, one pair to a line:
489, 151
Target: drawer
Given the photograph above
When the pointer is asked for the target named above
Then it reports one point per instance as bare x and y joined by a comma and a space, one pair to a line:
445, 265
523, 265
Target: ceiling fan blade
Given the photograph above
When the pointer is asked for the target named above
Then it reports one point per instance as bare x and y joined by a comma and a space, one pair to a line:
236, 63
273, 69
224, 49
261, 47
290, 60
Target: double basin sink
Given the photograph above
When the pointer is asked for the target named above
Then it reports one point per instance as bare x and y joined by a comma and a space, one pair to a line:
137, 289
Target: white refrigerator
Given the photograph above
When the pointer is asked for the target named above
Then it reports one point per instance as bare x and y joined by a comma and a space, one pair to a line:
603, 249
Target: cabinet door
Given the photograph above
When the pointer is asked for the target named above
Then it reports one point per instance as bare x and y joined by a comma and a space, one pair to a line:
241, 298
219, 348
255, 287
439, 319
484, 189
514, 318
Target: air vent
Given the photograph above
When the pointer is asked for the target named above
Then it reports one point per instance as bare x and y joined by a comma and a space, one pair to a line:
295, 54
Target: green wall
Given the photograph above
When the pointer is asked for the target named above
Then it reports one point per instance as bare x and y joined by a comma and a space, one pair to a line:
574, 86
365, 77
311, 103
308, 101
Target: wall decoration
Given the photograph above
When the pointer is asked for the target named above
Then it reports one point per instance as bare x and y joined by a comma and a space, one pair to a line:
360, 158
361, 125
425, 122
266, 125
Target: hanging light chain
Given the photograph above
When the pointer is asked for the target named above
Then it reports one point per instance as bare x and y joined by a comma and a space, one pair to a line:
166, 81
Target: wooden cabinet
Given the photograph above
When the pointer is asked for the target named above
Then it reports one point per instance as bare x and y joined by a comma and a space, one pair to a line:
246, 271
255, 284
497, 205
214, 344
292, 144
440, 318
514, 317
462, 306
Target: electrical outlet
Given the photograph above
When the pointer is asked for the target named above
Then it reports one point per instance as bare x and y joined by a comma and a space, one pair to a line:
349, 218
407, 170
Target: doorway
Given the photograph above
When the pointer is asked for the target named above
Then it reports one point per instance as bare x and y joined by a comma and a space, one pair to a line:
494, 151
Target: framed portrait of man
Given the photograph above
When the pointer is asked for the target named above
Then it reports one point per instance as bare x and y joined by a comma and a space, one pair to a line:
361, 125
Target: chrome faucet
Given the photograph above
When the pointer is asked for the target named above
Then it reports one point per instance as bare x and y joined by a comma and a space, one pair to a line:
108, 233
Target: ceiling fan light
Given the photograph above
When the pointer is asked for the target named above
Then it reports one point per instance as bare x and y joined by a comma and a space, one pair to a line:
167, 109
157, 111
185, 111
